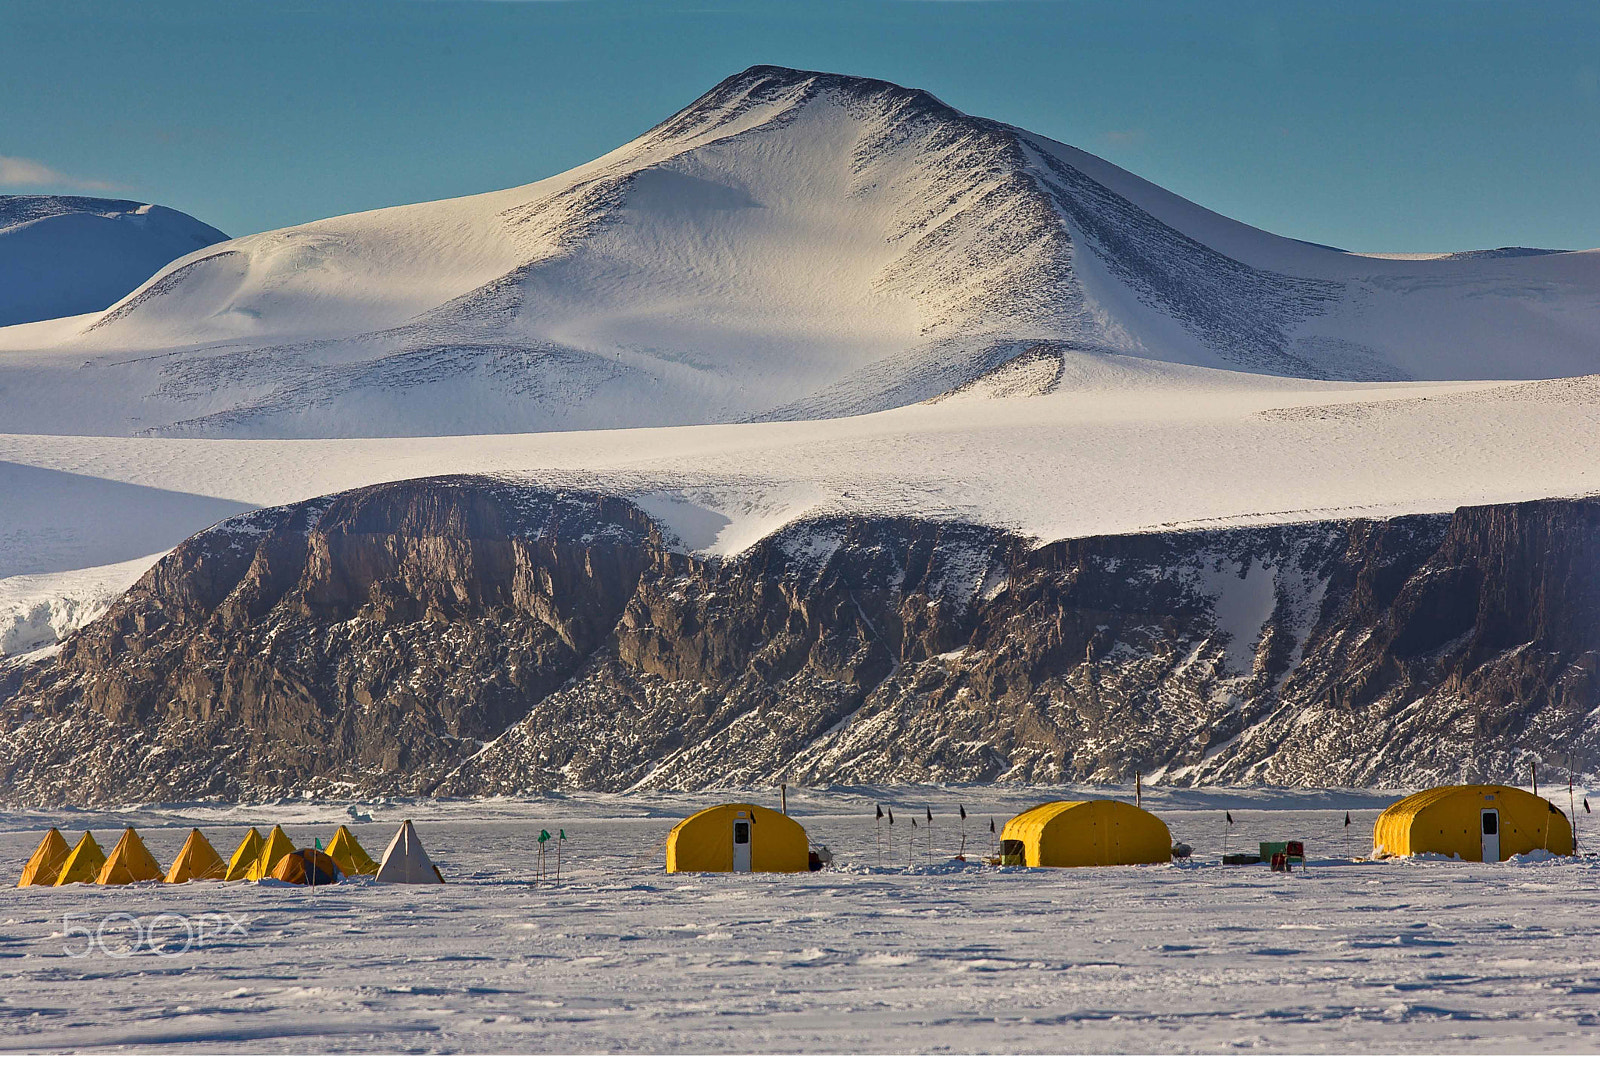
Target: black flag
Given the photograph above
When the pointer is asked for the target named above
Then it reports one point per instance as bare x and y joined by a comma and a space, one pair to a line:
880, 810
930, 814
991, 822
891, 816
1229, 814
963, 808
1347, 818
1585, 803
913, 823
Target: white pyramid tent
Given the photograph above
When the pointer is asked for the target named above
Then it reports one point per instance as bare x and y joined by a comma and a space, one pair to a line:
405, 860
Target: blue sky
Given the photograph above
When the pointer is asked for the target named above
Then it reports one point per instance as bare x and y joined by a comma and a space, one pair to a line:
1414, 126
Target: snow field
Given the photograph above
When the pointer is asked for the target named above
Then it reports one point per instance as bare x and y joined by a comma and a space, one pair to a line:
1123, 445
868, 956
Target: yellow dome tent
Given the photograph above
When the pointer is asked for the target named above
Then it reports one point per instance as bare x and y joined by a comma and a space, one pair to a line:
196, 860
1084, 833
45, 865
276, 846
1472, 822
84, 864
129, 862
307, 866
244, 857
349, 855
738, 837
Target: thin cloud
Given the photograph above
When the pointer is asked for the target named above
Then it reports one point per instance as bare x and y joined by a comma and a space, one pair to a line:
30, 173
1125, 138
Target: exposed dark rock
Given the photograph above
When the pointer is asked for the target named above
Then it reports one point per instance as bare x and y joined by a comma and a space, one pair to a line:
380, 640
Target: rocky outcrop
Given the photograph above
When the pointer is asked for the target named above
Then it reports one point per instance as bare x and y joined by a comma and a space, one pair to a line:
475, 636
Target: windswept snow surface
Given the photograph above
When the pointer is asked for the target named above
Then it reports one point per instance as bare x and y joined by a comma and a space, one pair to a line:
875, 955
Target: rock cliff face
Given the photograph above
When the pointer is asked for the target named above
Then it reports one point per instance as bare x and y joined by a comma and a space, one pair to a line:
475, 636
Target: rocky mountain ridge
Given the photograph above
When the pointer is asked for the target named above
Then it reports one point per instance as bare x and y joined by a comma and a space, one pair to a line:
475, 636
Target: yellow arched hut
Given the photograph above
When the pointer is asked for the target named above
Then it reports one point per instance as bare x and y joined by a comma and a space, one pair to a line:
1084, 833
738, 837
1472, 822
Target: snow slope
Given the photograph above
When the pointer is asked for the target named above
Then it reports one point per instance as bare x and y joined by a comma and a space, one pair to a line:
66, 255
791, 245
875, 955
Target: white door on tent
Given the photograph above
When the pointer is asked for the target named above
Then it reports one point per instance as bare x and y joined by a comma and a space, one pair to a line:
1491, 834
741, 844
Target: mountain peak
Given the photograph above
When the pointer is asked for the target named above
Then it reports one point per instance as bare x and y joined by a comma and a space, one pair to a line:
766, 83
793, 244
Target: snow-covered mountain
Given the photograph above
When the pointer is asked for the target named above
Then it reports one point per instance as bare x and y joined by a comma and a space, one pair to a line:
1087, 515
67, 255
792, 244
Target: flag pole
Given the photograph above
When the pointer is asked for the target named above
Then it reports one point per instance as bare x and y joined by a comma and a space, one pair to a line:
1572, 808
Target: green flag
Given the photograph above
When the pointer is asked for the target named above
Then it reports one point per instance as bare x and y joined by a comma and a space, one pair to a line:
544, 835
318, 840
563, 835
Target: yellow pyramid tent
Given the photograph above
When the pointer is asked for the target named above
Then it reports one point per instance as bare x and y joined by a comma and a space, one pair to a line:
349, 855
197, 859
244, 857
84, 863
129, 862
47, 859
274, 849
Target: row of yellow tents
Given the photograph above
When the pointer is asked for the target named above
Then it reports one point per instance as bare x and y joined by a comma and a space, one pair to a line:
257, 857
1473, 822
1068, 833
